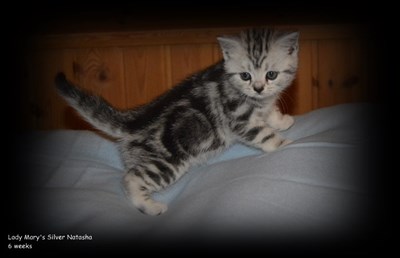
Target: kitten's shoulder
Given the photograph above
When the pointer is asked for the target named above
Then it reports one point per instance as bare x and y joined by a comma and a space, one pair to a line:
214, 73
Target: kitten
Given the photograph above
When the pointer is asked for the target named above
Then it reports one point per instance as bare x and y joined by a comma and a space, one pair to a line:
233, 100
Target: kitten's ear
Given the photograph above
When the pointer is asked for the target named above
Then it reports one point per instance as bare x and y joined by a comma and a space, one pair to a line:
290, 41
229, 45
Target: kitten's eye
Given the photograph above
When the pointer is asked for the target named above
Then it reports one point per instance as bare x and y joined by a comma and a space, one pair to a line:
271, 75
245, 76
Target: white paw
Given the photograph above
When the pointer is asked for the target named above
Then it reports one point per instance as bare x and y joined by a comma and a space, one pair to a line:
273, 145
154, 208
286, 142
286, 122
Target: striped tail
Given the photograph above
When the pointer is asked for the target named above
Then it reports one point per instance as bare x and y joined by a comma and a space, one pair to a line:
94, 109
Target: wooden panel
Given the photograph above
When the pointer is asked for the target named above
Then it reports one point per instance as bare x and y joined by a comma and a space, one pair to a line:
101, 70
42, 107
217, 53
314, 73
131, 68
342, 72
188, 59
146, 73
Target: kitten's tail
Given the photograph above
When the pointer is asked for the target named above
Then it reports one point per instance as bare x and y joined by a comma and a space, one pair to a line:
93, 109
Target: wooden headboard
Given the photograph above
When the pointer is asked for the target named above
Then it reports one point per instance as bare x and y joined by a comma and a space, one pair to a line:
130, 68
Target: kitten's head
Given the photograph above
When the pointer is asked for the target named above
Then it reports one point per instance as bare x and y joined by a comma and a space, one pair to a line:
261, 62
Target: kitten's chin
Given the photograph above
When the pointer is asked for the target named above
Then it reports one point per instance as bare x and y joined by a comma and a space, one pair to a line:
261, 96
266, 93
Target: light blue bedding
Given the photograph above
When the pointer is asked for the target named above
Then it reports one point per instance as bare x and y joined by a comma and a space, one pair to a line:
312, 186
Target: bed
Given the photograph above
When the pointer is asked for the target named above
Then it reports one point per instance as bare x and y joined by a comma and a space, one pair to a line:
315, 187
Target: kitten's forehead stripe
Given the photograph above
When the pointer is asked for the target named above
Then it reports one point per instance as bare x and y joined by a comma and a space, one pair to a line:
259, 64
257, 42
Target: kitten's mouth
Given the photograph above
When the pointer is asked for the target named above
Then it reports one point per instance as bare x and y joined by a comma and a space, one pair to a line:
258, 95
262, 95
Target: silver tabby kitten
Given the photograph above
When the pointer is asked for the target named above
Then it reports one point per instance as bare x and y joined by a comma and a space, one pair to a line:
233, 100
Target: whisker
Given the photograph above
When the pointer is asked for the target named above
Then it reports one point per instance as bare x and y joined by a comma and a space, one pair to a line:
284, 101
282, 105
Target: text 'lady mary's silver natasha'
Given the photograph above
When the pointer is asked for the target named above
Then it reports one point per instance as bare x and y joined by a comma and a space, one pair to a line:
233, 100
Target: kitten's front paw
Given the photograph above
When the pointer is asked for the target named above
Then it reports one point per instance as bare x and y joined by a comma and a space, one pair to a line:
153, 208
275, 143
286, 122
285, 142
157, 208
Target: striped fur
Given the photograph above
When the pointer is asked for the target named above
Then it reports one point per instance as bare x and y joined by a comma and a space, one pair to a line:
201, 116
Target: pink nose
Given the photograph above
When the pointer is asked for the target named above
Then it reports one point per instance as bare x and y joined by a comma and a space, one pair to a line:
258, 90
258, 87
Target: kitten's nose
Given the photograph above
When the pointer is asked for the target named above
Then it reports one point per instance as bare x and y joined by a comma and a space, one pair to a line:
258, 87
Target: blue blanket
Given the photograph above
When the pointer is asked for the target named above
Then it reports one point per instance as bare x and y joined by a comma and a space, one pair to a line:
313, 186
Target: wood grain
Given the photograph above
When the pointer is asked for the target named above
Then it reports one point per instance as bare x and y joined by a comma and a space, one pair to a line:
101, 71
188, 59
342, 72
146, 74
42, 106
131, 68
314, 73
217, 53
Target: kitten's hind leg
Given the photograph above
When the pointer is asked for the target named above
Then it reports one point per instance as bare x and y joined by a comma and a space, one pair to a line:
139, 189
